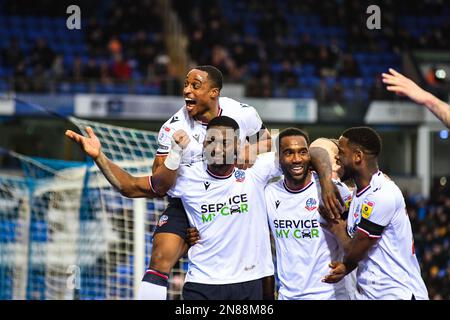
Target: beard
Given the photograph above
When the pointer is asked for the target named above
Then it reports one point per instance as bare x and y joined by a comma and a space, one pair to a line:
347, 173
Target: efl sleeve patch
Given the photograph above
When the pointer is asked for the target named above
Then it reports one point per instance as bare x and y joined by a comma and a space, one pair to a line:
373, 230
367, 208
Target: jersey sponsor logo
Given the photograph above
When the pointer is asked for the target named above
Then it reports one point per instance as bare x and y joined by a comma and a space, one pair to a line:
311, 204
163, 220
239, 175
298, 229
277, 204
237, 204
206, 184
366, 209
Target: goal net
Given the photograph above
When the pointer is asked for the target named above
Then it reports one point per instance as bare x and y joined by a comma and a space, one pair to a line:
65, 233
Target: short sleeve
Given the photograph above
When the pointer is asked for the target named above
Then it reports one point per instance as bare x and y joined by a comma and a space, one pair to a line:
266, 167
250, 120
377, 212
164, 140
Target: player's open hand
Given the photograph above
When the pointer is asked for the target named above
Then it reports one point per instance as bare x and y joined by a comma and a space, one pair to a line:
402, 86
181, 139
332, 203
337, 272
192, 236
90, 144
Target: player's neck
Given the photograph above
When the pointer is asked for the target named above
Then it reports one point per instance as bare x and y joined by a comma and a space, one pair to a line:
209, 114
364, 177
221, 171
296, 185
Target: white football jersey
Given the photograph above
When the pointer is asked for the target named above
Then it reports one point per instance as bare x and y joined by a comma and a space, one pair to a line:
391, 270
246, 116
304, 249
230, 215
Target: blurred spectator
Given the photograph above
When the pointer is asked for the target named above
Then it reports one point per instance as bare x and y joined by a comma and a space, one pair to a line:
307, 51
57, 72
42, 54
21, 80
348, 66
326, 63
95, 37
288, 78
39, 79
120, 69
77, 69
12, 55
91, 70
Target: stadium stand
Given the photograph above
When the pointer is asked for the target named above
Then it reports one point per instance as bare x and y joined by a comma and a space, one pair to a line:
278, 49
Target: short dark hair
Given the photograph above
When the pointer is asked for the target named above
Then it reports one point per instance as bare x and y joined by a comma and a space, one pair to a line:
214, 75
365, 137
223, 121
289, 132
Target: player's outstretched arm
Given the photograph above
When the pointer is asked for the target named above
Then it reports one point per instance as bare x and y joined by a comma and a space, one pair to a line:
403, 86
126, 184
332, 201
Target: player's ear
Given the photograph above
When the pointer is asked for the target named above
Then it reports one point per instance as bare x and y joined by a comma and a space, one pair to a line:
214, 93
357, 155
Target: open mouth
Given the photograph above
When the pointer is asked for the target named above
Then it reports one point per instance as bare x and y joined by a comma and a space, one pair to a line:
190, 103
297, 170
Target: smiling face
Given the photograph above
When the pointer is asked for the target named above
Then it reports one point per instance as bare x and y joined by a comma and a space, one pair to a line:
345, 159
294, 158
198, 92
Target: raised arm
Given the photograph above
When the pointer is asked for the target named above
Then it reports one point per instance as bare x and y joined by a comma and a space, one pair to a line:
127, 184
403, 86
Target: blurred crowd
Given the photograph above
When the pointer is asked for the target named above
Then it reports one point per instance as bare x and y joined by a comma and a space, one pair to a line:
257, 43
431, 227
119, 44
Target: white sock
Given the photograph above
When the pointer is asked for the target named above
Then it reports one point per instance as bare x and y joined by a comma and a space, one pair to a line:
151, 291
153, 286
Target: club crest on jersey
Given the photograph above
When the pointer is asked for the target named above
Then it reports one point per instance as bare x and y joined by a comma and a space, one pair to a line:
163, 220
366, 209
239, 175
311, 204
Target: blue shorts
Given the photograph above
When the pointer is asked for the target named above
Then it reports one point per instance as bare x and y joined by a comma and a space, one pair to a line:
249, 290
173, 219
